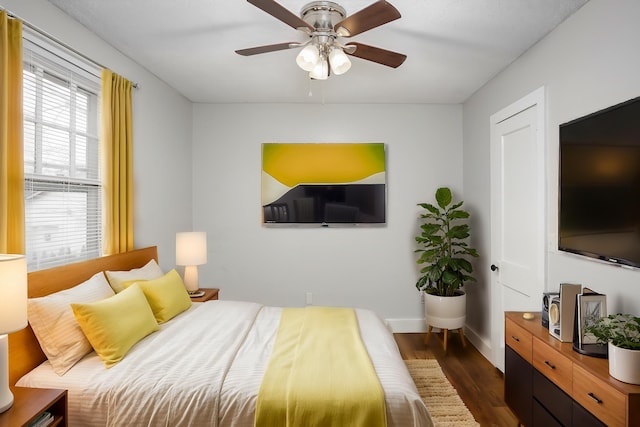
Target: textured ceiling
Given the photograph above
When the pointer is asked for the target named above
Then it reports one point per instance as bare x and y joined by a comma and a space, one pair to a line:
453, 47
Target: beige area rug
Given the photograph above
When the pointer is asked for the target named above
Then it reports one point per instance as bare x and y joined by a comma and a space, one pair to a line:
442, 400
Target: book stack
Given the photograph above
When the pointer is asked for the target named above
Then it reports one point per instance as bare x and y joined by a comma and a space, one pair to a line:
43, 420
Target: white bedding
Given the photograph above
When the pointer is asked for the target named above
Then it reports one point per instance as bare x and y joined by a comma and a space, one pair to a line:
204, 367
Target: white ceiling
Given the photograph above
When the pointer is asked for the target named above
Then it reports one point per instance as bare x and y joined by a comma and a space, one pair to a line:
453, 47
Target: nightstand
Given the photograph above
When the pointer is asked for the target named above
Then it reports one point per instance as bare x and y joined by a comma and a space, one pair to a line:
209, 294
30, 403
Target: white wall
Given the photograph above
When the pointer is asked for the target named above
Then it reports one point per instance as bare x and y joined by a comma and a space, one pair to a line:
589, 62
363, 267
161, 131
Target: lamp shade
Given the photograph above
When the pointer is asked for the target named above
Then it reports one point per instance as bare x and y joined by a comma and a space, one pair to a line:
340, 63
13, 293
320, 71
308, 57
191, 248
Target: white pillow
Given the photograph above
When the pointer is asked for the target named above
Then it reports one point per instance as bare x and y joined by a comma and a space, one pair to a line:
150, 271
55, 326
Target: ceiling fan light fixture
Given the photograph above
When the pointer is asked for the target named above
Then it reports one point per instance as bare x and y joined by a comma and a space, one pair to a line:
320, 71
324, 22
308, 58
339, 61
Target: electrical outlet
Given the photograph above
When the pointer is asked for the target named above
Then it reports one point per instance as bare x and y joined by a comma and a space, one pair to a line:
309, 298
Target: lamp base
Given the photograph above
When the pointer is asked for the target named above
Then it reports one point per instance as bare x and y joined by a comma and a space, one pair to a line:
191, 278
6, 405
6, 397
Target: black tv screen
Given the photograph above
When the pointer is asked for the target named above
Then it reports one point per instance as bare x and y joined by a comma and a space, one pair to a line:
599, 207
323, 183
329, 204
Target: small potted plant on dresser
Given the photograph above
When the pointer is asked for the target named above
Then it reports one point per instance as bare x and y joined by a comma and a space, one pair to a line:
443, 259
622, 333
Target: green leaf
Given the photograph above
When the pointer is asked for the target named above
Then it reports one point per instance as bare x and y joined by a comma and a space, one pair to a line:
443, 197
465, 265
430, 228
456, 206
472, 252
435, 240
459, 232
442, 262
458, 214
428, 256
430, 208
450, 278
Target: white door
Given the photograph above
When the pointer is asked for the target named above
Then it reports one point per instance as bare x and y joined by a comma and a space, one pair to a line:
518, 224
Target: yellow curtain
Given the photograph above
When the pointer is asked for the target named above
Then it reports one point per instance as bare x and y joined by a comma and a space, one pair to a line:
117, 168
11, 138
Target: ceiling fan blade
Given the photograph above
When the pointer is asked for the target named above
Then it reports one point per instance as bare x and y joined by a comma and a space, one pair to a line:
372, 16
267, 48
375, 54
283, 14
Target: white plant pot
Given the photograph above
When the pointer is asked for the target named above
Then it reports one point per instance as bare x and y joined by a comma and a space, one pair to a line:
445, 312
624, 364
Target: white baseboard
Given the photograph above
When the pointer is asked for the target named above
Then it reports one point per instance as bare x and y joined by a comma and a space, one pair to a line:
406, 325
481, 344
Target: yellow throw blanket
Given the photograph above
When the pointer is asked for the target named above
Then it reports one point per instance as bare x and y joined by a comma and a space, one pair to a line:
320, 373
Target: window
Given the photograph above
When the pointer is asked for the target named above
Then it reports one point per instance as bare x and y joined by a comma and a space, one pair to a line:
61, 158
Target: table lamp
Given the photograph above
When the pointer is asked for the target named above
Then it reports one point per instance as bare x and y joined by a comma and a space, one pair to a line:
13, 315
191, 251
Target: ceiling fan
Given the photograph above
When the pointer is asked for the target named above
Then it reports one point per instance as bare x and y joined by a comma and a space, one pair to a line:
325, 23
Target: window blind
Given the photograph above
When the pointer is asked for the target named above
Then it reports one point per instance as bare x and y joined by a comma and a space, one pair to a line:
61, 158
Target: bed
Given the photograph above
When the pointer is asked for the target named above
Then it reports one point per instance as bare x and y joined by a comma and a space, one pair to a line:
203, 367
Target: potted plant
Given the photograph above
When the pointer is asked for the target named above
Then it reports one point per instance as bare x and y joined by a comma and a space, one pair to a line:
443, 256
622, 333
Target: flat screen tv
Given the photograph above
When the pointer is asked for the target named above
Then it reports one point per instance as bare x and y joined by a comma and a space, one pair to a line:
323, 183
599, 210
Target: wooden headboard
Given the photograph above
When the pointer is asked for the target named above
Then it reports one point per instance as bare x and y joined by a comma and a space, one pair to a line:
24, 350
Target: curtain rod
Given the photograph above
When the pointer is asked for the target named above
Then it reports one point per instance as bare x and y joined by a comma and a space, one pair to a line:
61, 43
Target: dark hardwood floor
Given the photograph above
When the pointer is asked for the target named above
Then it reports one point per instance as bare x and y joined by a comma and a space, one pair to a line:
478, 382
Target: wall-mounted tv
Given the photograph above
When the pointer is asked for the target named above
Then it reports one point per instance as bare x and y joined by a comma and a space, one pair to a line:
323, 183
599, 210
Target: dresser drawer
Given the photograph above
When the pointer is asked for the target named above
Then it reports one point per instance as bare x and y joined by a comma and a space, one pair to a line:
518, 339
553, 365
583, 418
599, 398
555, 401
542, 417
517, 385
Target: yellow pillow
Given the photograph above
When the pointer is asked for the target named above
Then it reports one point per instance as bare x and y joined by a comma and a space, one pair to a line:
167, 295
116, 324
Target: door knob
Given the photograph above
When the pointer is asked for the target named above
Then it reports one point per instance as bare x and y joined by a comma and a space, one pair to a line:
494, 267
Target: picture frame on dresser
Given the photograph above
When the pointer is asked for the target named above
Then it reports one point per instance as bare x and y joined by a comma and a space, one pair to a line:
590, 307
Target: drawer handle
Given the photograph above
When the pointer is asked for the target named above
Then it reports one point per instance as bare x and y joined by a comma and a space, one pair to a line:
594, 397
516, 339
549, 364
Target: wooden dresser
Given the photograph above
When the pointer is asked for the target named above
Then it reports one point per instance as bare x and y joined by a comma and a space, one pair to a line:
549, 384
